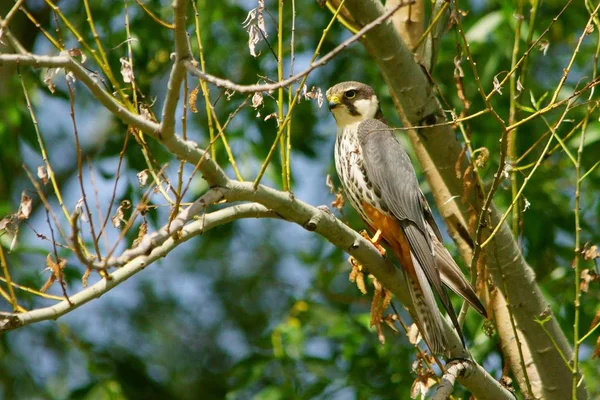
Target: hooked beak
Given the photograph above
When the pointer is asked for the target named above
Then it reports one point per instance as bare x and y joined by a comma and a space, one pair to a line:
334, 101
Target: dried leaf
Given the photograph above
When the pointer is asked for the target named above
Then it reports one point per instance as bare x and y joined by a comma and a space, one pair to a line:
6, 222
119, 216
526, 205
497, 86
338, 203
587, 276
519, 87
414, 336
143, 177
75, 52
42, 174
421, 386
56, 269
357, 275
255, 25
79, 210
257, 100
146, 112
272, 115
126, 70
25, 207
544, 45
314, 94
85, 277
141, 233
193, 97
458, 81
390, 320
482, 157
49, 77
329, 184
590, 252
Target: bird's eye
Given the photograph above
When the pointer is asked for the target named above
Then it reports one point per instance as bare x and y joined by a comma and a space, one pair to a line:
350, 94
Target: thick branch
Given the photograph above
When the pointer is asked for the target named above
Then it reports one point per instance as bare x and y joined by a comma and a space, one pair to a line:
182, 52
438, 151
137, 264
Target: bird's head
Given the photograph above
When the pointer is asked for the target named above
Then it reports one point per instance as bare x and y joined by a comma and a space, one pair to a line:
352, 102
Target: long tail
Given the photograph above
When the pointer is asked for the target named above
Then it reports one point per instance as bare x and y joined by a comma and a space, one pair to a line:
453, 278
428, 316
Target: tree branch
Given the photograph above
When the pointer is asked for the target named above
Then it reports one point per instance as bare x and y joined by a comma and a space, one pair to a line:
192, 68
137, 264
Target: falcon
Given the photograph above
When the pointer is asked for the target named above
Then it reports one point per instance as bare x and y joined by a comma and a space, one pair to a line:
381, 185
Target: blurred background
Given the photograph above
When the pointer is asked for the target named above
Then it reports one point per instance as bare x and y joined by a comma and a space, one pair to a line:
257, 308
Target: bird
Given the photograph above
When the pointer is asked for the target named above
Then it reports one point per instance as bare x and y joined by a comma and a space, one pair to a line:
380, 183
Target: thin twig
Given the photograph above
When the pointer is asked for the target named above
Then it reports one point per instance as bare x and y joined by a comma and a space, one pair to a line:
191, 65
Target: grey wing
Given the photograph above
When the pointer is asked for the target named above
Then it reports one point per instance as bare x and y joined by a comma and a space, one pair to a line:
389, 168
391, 172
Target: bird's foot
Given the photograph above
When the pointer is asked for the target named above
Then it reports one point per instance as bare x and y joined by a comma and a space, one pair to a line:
375, 240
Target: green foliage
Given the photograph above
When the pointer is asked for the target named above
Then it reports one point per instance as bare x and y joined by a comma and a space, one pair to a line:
259, 309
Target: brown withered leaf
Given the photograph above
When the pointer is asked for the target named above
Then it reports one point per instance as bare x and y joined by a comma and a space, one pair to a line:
42, 174
141, 233
193, 97
497, 86
519, 87
390, 321
6, 222
482, 158
338, 203
413, 334
146, 112
143, 177
587, 276
381, 300
329, 184
357, 275
272, 115
56, 269
257, 100
458, 81
49, 78
255, 26
118, 218
590, 252
314, 94
85, 277
25, 207
421, 386
75, 52
126, 70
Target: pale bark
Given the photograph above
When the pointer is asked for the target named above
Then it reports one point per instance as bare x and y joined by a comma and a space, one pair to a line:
509, 344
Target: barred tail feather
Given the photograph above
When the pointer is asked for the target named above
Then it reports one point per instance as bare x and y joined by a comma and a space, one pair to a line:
428, 317
454, 279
